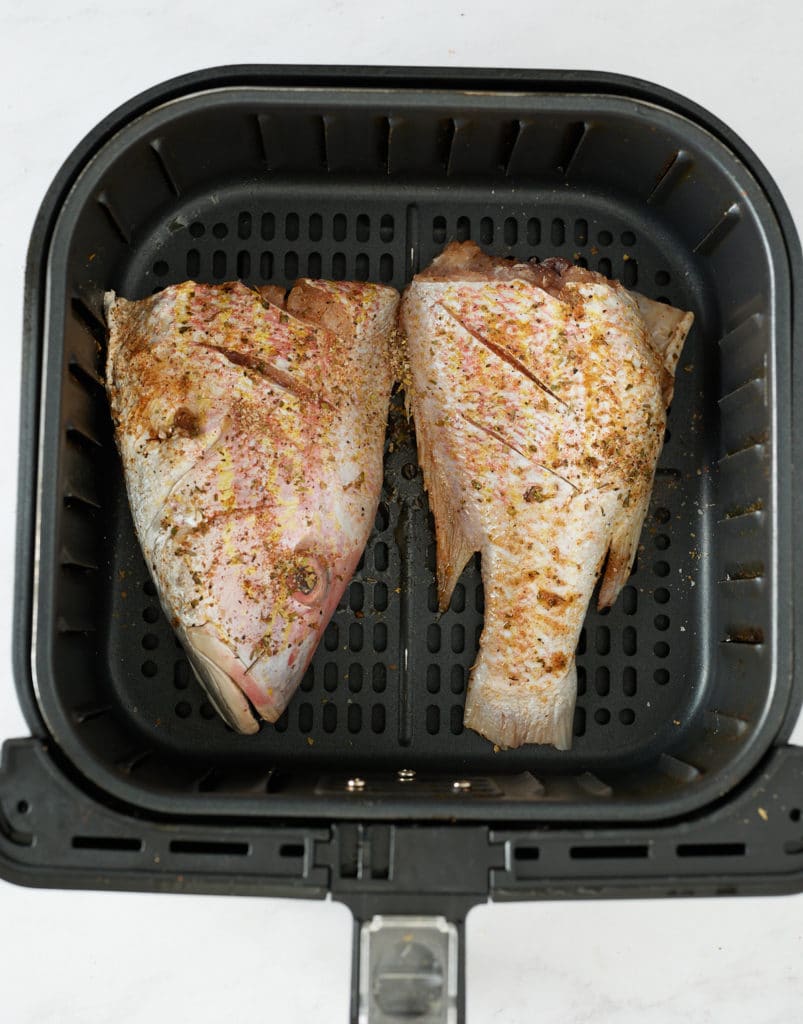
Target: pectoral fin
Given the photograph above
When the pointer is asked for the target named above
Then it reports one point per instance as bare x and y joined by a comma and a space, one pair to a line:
454, 549
667, 329
622, 551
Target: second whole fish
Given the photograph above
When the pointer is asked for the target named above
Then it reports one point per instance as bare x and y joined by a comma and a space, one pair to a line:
539, 394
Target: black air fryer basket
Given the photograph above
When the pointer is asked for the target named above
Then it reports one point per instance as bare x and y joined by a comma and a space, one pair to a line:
679, 780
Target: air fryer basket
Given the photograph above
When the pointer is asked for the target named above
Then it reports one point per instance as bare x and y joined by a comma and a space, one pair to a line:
682, 686
369, 788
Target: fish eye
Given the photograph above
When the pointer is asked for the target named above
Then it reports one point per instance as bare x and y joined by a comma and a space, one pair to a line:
305, 578
308, 579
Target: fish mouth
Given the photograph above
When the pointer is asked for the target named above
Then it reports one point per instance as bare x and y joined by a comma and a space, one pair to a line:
242, 695
215, 667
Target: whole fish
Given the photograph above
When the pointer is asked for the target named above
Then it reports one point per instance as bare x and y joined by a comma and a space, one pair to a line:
539, 394
251, 432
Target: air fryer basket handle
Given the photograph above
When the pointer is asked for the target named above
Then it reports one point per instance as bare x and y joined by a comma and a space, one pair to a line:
407, 968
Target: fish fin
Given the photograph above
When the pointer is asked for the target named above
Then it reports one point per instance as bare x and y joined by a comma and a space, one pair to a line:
454, 549
274, 294
211, 662
313, 303
111, 308
625, 536
667, 328
453, 554
511, 719
109, 302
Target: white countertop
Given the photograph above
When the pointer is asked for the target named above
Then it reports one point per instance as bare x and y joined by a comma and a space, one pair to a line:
94, 958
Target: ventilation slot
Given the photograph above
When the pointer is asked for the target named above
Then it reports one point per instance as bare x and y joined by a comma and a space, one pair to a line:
595, 786
750, 635
736, 511
724, 725
128, 765
107, 843
291, 850
209, 847
162, 163
526, 853
88, 714
739, 572
244, 225
82, 440
386, 228
378, 718
630, 273
602, 680
720, 231
744, 353
673, 173
573, 139
711, 850
673, 767
636, 852
113, 218
314, 265
90, 321
329, 718
362, 267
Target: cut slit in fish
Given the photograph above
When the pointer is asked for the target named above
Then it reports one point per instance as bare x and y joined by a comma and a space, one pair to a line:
539, 393
251, 427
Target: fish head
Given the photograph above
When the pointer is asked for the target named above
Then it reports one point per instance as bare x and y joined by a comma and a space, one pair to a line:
254, 664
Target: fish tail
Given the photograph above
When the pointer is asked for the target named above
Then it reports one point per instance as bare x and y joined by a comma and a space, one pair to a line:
528, 716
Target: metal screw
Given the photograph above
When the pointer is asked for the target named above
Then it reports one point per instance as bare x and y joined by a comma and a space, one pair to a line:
461, 785
405, 775
355, 784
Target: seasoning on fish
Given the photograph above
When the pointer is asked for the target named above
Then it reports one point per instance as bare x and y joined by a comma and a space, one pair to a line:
251, 433
539, 394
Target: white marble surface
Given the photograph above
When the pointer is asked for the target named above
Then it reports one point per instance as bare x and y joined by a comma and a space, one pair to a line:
92, 958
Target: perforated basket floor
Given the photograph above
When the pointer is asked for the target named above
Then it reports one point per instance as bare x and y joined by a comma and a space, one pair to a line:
388, 682
682, 685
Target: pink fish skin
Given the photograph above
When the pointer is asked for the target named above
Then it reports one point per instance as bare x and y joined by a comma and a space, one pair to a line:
251, 432
539, 393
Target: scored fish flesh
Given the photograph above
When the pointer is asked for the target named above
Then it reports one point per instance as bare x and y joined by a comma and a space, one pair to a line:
539, 395
251, 431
